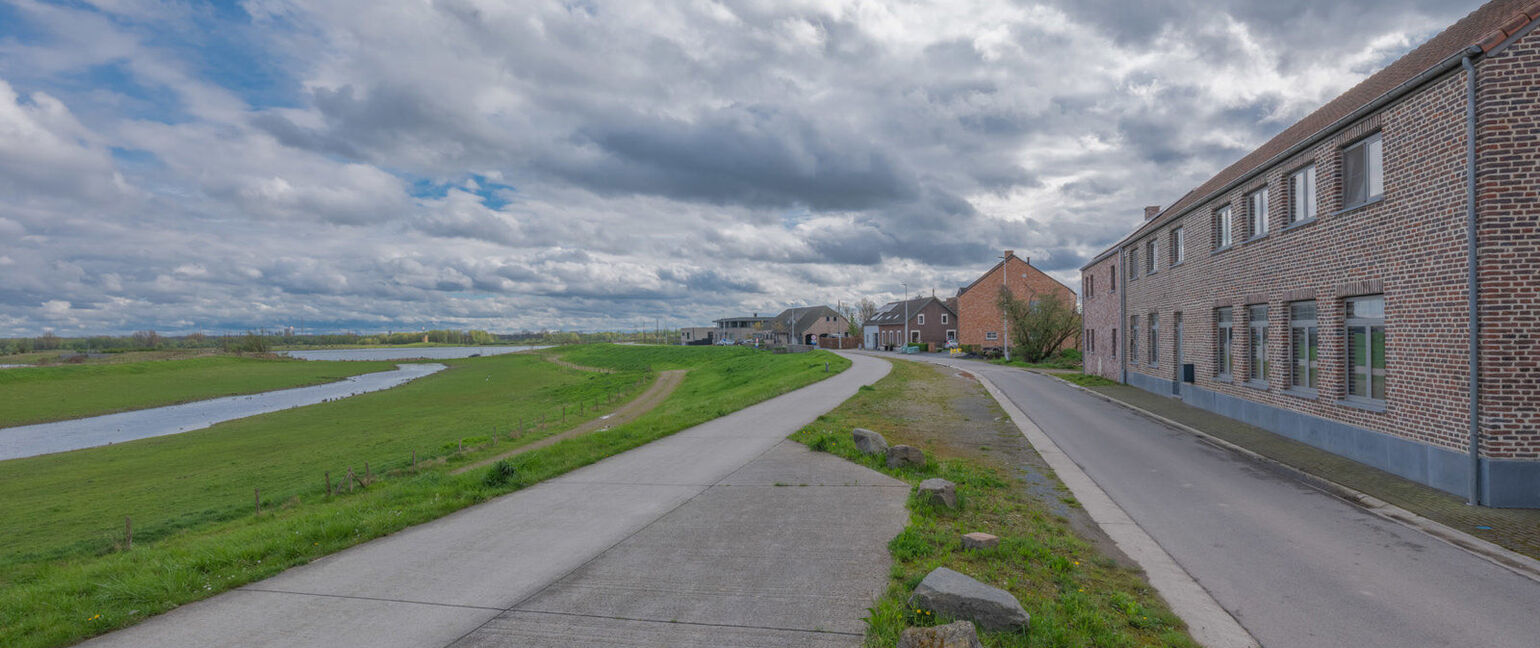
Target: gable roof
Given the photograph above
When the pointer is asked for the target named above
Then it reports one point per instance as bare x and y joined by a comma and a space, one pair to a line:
799, 318
1001, 262
893, 312
1480, 31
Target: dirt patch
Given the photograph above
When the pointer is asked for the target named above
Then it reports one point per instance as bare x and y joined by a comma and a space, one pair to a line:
558, 361
654, 396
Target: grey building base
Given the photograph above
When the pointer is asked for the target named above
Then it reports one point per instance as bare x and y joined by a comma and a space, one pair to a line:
1503, 484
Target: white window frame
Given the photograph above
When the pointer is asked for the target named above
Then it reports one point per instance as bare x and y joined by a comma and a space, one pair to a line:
1152, 250
1256, 344
944, 318
1304, 334
1365, 325
1226, 228
1178, 246
991, 335
1302, 195
1256, 214
1371, 182
919, 319
1224, 355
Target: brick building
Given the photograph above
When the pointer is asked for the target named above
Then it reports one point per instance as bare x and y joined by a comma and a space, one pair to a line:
979, 315
1099, 304
1321, 287
930, 320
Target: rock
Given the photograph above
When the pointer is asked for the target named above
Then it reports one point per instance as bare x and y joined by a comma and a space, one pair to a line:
949, 593
952, 635
869, 442
939, 492
979, 540
902, 455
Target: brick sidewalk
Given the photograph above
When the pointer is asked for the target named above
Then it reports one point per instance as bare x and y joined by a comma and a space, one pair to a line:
1517, 530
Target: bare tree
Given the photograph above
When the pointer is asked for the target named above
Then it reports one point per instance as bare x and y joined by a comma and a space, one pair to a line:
146, 339
1039, 325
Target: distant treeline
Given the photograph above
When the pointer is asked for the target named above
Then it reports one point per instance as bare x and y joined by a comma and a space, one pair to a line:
260, 341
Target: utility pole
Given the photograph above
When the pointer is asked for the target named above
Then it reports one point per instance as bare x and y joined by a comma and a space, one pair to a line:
1005, 320
906, 313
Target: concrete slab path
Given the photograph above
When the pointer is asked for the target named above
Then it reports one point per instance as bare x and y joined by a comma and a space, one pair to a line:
1294, 565
685, 541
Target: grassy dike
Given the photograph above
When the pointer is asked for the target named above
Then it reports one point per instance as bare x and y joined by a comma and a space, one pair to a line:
41, 394
1076, 594
56, 589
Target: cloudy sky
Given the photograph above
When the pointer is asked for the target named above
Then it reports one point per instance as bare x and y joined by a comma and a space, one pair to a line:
382, 165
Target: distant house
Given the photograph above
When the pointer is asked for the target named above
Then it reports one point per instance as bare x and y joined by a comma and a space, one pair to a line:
982, 323
929, 320
739, 330
806, 324
697, 335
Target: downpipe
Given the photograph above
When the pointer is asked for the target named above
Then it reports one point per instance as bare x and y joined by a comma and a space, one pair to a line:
1470, 280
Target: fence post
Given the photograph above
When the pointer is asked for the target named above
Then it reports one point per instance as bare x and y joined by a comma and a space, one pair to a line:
350, 480
368, 477
462, 446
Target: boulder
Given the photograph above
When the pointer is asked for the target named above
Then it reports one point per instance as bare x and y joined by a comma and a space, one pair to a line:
939, 492
979, 540
869, 442
902, 455
952, 635
951, 594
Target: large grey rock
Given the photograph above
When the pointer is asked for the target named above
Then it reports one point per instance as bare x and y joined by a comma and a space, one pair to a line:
959, 634
939, 492
902, 455
868, 441
952, 594
979, 540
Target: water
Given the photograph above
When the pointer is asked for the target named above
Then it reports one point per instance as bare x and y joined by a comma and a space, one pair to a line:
409, 353
45, 438
12, 366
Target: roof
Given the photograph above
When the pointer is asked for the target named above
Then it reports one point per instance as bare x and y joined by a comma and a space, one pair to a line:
802, 317
755, 318
997, 265
1485, 27
893, 312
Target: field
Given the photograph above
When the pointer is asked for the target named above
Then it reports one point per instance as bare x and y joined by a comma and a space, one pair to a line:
62, 556
1069, 577
56, 393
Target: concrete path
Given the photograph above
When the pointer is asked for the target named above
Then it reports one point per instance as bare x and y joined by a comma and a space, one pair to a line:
1294, 565
685, 541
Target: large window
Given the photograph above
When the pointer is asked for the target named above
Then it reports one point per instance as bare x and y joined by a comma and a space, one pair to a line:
1154, 345
1133, 338
1366, 348
1226, 339
1178, 246
1363, 173
1256, 213
1302, 195
1304, 346
1257, 324
1151, 254
1222, 227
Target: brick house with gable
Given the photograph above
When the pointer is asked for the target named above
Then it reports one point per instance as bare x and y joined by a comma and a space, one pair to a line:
1324, 286
977, 309
931, 320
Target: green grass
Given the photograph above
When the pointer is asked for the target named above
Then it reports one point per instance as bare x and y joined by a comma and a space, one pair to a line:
1076, 596
40, 394
61, 516
1084, 380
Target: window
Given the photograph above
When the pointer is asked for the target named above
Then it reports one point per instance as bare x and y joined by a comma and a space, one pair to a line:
1302, 195
1113, 342
1222, 227
919, 319
1133, 264
1178, 246
1363, 173
1151, 253
1257, 323
1366, 348
1226, 339
1154, 345
991, 335
914, 336
1304, 346
1133, 338
1256, 213
1113, 287
943, 318
951, 335
1090, 290
1090, 340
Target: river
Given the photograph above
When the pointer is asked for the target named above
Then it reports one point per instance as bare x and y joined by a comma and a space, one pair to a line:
408, 353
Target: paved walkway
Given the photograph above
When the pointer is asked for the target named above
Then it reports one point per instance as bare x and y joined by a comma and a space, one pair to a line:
685, 541
1295, 566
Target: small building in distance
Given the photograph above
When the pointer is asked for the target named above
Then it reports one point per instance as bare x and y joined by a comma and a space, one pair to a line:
981, 323
740, 330
694, 335
930, 320
806, 324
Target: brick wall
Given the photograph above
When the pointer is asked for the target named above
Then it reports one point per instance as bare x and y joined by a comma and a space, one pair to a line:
932, 331
977, 309
1100, 318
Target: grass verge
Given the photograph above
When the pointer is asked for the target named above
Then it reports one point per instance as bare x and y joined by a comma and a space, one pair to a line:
1084, 380
41, 394
1076, 595
76, 589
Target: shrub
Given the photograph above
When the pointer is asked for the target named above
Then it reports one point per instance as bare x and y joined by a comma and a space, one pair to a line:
500, 474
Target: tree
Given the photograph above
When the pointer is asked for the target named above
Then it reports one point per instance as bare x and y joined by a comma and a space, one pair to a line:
1039, 325
146, 339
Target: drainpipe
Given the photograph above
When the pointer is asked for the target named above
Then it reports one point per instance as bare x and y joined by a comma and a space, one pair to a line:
1123, 314
1470, 279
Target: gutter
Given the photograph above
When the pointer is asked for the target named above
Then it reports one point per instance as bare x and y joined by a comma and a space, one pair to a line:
1470, 280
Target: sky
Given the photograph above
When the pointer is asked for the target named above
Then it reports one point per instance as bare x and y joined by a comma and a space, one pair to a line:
377, 165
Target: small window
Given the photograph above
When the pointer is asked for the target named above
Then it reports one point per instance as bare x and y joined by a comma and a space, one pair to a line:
1222, 227
1366, 348
914, 336
1113, 343
1113, 286
1133, 338
1363, 172
1151, 253
1178, 246
1257, 323
1226, 340
1256, 213
991, 335
1133, 264
943, 318
1304, 346
1154, 345
1090, 340
919, 319
1302, 195
1090, 290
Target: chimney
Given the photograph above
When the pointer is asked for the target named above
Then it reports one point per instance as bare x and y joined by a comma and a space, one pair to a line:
1151, 211
1010, 253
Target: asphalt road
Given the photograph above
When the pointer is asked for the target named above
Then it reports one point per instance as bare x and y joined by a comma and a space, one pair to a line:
1295, 566
722, 534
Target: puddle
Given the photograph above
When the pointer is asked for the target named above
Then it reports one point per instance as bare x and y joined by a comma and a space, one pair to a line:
61, 436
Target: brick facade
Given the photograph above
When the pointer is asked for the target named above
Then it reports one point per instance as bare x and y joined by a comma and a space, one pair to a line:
939, 323
1409, 247
1099, 339
976, 304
